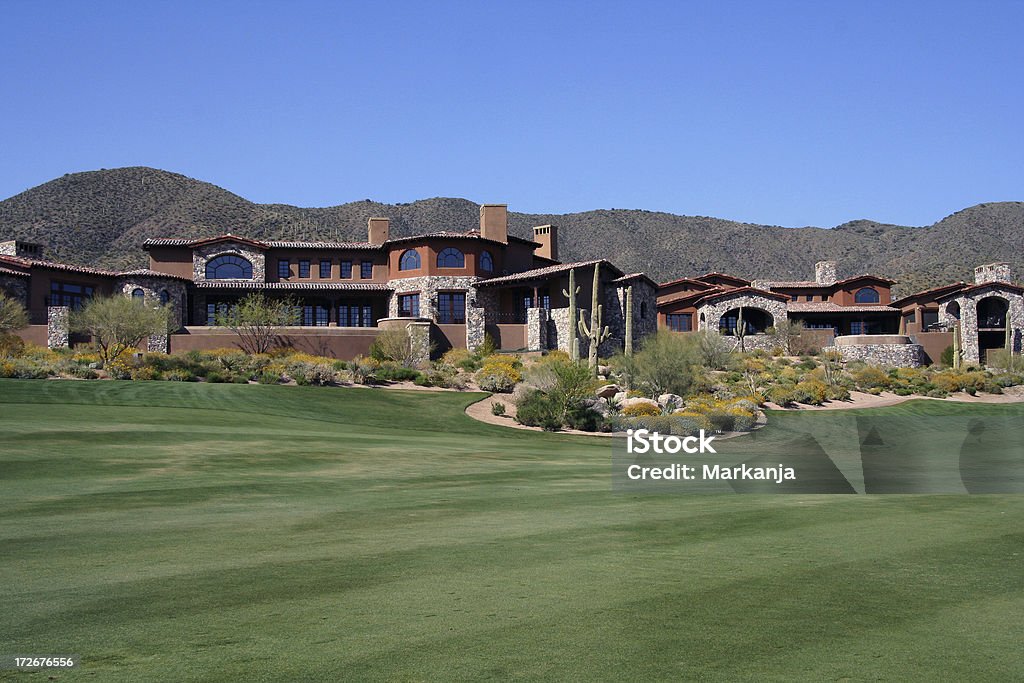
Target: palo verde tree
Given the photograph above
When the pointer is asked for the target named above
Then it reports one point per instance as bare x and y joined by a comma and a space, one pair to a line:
257, 320
12, 314
118, 323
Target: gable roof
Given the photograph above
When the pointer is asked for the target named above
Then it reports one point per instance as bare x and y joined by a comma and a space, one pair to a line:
1016, 289
934, 292
632, 277
53, 265
723, 276
547, 272
721, 293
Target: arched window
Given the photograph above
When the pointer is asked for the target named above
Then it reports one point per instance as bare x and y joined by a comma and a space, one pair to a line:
138, 294
164, 297
867, 295
410, 260
486, 262
451, 258
228, 267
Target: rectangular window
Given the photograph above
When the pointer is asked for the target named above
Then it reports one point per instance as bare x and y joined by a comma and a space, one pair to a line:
366, 270
307, 315
304, 268
346, 270
545, 302
322, 316
325, 270
679, 322
808, 297
409, 305
912, 317
367, 320
69, 294
794, 297
929, 318
284, 268
451, 308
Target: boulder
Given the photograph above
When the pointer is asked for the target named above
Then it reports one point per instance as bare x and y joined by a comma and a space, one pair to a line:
627, 402
608, 390
671, 399
619, 397
599, 406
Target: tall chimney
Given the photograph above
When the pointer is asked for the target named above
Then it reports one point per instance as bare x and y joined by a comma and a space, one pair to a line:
547, 236
377, 230
825, 272
992, 272
494, 222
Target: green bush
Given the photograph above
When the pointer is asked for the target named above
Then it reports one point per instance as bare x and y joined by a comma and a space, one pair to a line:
811, 392
390, 371
11, 346
782, 395
499, 374
583, 418
536, 409
146, 373
179, 375
268, 377
497, 408
871, 377
946, 358
838, 393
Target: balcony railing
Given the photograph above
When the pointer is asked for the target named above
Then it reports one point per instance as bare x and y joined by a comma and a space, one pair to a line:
497, 318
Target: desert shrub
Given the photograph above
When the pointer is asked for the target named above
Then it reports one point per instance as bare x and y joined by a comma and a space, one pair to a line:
119, 368
874, 391
782, 395
640, 410
871, 377
11, 345
555, 356
21, 368
583, 418
268, 377
362, 370
806, 363
499, 374
946, 358
811, 391
743, 420
722, 420
937, 393
390, 371
218, 377
311, 374
461, 359
179, 375
903, 391
146, 373
837, 393
488, 347
497, 408
536, 409
396, 344
666, 363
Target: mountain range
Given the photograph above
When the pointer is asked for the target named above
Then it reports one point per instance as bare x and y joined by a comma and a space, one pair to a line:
102, 217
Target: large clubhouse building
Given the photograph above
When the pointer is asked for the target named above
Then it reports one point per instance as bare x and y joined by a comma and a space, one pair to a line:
459, 286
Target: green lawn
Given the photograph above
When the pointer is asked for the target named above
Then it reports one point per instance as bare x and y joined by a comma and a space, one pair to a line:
171, 531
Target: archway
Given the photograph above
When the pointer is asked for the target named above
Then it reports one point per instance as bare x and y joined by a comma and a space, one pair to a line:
755, 320
992, 320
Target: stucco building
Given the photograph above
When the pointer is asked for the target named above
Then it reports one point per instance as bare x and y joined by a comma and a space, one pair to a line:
455, 286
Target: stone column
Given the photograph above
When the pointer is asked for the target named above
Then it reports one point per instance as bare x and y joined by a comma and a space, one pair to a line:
58, 328
419, 335
536, 329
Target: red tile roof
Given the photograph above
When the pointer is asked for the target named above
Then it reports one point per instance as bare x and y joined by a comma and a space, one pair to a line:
53, 265
829, 307
546, 272
336, 286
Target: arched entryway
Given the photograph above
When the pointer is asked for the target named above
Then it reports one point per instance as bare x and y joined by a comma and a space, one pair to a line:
992, 320
755, 320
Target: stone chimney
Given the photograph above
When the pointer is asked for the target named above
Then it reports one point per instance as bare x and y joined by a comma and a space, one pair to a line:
992, 272
547, 236
28, 250
377, 230
494, 222
825, 272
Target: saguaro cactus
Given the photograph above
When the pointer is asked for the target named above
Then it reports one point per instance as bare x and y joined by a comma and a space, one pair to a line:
570, 294
595, 333
741, 330
629, 320
1009, 336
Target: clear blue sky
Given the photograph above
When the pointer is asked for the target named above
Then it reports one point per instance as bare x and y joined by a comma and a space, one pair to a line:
789, 113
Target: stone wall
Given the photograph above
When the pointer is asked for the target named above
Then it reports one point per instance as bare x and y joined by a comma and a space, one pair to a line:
58, 328
709, 315
429, 285
968, 317
893, 355
561, 330
201, 255
992, 272
152, 286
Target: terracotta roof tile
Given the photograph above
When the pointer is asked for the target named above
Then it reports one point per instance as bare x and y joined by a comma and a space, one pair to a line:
335, 286
546, 272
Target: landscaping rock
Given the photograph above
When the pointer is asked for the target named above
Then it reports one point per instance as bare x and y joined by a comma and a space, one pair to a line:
608, 390
619, 397
671, 399
599, 406
626, 402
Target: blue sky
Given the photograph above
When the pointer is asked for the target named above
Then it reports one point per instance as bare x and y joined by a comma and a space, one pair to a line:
788, 113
